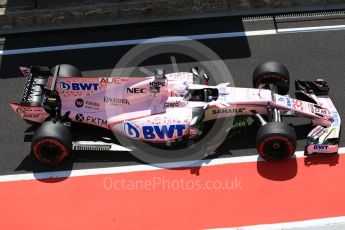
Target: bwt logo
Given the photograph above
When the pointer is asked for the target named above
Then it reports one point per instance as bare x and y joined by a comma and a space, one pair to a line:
151, 132
320, 147
130, 130
78, 86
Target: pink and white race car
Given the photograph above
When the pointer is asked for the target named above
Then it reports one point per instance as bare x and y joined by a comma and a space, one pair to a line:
170, 108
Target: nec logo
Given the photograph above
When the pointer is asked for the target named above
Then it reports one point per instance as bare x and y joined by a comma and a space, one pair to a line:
320, 147
78, 86
135, 90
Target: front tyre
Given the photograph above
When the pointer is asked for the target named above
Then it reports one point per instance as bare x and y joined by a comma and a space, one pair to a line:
276, 141
272, 73
52, 142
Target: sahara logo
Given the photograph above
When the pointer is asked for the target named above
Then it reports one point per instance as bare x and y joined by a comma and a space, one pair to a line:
78, 86
226, 111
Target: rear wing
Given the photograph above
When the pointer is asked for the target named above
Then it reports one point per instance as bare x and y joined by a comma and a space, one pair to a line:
36, 80
29, 108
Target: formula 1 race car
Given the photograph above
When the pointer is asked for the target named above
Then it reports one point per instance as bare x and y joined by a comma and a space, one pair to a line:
169, 108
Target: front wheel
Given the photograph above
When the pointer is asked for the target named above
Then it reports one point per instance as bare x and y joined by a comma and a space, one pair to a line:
52, 142
276, 141
272, 73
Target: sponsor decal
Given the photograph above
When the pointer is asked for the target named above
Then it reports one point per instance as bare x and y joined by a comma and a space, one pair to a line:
336, 119
32, 115
157, 83
288, 102
96, 121
172, 104
92, 105
91, 120
116, 101
162, 131
321, 111
297, 104
135, 90
110, 80
79, 117
150, 132
78, 86
226, 111
130, 130
87, 104
285, 100
281, 99
79, 102
320, 147
28, 109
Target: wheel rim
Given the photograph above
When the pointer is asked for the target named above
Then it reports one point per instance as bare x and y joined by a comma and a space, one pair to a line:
272, 77
276, 148
50, 151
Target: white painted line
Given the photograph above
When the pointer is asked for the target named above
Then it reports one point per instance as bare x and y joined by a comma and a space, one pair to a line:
306, 224
312, 29
137, 168
169, 39
135, 42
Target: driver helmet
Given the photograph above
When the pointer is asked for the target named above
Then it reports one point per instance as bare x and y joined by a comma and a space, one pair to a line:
180, 90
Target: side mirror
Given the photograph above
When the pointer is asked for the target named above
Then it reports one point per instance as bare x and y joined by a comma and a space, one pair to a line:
195, 71
160, 73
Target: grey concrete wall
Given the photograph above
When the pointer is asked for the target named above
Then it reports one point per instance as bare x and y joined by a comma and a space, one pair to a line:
26, 14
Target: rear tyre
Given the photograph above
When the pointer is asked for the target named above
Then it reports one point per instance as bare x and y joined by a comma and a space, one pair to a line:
276, 141
272, 73
52, 142
67, 70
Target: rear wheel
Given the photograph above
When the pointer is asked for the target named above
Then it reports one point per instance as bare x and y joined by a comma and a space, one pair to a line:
276, 141
52, 142
272, 73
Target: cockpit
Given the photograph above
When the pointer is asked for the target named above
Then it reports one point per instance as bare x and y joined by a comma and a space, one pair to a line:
198, 94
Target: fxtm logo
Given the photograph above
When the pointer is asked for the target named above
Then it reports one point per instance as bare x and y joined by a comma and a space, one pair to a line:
78, 86
151, 132
91, 120
135, 90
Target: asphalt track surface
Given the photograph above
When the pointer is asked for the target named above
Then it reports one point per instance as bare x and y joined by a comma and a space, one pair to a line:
308, 56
